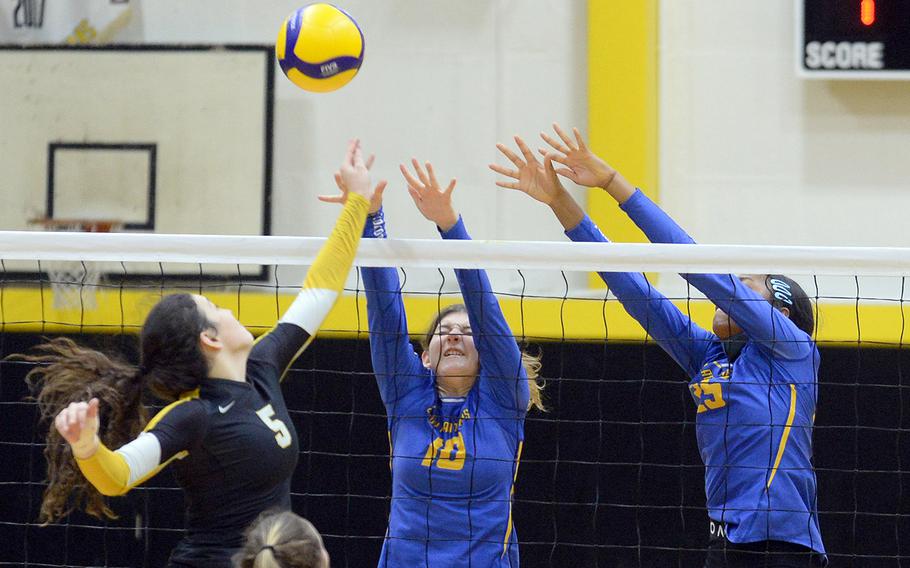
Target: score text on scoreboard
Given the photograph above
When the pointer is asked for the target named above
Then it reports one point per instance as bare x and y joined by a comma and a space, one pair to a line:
853, 39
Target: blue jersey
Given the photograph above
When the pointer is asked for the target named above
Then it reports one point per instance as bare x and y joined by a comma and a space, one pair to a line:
755, 414
454, 460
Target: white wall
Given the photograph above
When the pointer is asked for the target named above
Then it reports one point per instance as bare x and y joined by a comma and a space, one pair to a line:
750, 153
442, 81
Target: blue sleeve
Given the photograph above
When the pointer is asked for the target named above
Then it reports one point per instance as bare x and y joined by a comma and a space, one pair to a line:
677, 334
399, 371
758, 318
504, 377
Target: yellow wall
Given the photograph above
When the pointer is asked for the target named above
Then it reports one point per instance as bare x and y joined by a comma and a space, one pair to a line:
30, 310
622, 104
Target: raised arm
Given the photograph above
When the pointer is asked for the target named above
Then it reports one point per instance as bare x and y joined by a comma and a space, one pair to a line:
504, 377
399, 372
761, 322
325, 279
677, 334
753, 313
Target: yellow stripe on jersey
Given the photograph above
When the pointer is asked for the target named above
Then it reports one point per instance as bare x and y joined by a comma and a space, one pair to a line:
505, 542
108, 471
785, 436
325, 278
185, 397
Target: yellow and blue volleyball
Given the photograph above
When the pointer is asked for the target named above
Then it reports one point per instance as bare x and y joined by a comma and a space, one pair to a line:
320, 47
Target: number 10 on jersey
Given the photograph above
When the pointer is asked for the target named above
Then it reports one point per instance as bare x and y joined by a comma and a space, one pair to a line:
448, 454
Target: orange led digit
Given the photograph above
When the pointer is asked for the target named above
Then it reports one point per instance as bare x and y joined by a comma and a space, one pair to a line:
867, 12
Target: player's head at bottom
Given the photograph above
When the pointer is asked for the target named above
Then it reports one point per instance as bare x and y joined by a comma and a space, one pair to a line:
784, 295
282, 539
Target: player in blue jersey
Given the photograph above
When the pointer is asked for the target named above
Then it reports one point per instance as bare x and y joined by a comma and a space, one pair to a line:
753, 380
455, 412
226, 433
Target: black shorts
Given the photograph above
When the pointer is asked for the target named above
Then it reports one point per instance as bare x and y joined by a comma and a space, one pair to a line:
764, 554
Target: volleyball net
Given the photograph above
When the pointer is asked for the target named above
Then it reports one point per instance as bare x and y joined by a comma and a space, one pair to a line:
609, 476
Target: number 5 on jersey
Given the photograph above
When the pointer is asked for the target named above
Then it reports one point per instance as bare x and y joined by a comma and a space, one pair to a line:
282, 434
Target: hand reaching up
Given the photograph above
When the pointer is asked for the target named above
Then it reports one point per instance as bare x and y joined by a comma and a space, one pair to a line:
583, 166
354, 176
537, 179
433, 202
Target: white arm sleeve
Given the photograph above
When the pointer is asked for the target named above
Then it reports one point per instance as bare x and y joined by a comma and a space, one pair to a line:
142, 455
310, 308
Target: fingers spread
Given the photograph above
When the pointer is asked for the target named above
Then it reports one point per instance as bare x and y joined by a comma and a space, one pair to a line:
432, 175
511, 156
408, 177
504, 171
358, 157
557, 158
554, 143
565, 137
451, 186
370, 161
349, 155
507, 185
525, 151
331, 198
579, 139
421, 175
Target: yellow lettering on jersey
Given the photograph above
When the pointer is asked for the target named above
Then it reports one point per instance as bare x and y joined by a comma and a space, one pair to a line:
450, 456
713, 392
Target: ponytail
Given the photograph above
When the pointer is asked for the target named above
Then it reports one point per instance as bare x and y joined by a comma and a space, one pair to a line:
172, 363
68, 372
281, 540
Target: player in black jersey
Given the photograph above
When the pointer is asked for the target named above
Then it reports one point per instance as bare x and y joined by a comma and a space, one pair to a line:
226, 432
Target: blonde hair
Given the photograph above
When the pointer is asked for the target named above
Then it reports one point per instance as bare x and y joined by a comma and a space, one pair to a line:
281, 540
531, 363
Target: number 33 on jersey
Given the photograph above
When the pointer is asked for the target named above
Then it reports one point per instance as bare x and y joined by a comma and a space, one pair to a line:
708, 393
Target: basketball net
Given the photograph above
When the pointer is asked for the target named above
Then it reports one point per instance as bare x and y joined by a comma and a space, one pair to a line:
74, 284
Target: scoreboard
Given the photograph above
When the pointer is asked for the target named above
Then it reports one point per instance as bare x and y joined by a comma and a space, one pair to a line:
853, 39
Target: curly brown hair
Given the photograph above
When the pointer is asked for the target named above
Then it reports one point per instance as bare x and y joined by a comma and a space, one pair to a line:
172, 363
69, 373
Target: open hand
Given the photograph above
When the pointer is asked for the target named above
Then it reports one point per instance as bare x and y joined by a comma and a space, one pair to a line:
354, 176
582, 165
78, 425
537, 179
433, 202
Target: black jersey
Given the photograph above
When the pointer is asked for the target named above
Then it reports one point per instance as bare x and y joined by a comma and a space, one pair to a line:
235, 448
232, 444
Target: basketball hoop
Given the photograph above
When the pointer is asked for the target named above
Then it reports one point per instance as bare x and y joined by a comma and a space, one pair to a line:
74, 284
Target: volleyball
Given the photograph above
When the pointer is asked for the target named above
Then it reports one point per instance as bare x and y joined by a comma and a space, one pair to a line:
319, 48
